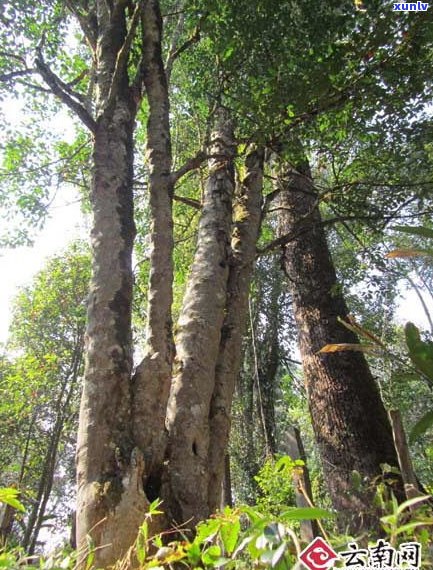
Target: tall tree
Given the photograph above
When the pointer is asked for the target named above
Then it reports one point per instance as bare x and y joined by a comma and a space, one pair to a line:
349, 419
40, 389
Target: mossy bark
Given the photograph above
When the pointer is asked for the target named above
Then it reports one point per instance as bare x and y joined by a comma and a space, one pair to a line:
198, 339
246, 225
111, 502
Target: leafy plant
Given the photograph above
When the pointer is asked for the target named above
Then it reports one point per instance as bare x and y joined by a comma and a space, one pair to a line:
275, 483
233, 538
9, 496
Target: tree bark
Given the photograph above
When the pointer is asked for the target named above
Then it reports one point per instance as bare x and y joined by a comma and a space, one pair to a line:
246, 226
111, 502
198, 340
151, 384
7, 514
349, 419
411, 484
227, 496
268, 362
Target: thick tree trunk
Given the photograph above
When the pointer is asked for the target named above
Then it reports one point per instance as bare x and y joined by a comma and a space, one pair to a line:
349, 419
246, 222
111, 502
107, 476
198, 340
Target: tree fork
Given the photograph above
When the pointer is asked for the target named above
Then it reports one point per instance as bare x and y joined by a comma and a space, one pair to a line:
246, 225
185, 489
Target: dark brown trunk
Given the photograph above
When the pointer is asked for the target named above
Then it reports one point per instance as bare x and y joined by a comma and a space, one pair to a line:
268, 362
349, 419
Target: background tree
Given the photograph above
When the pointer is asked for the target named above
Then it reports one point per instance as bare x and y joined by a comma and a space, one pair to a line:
40, 386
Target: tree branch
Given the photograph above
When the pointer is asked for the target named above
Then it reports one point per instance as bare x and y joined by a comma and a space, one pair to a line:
175, 52
188, 201
122, 56
191, 164
87, 23
5, 77
285, 239
55, 84
176, 35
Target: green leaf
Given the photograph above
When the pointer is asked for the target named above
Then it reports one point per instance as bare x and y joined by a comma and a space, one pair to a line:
8, 495
421, 426
153, 507
207, 530
229, 535
211, 555
409, 527
194, 553
278, 554
420, 352
415, 230
305, 514
411, 502
228, 52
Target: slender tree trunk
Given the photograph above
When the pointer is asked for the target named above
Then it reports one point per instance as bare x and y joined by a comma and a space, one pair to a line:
198, 340
6, 521
349, 418
153, 376
411, 483
246, 220
301, 482
63, 409
244, 453
268, 363
227, 496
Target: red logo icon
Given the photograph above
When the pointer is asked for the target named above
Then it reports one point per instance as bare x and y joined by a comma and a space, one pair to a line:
318, 555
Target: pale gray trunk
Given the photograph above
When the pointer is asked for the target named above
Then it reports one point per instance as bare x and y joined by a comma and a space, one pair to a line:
294, 447
111, 502
198, 340
246, 225
153, 376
